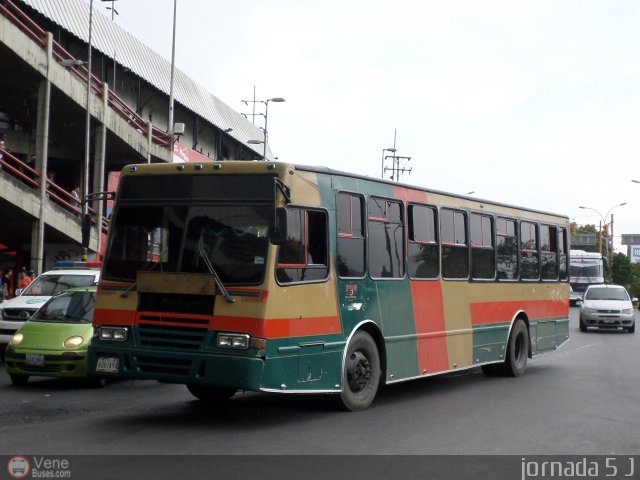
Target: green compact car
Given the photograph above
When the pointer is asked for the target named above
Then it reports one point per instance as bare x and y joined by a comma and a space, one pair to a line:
54, 341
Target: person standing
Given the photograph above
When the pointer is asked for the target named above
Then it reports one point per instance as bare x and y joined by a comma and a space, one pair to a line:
75, 193
7, 290
23, 278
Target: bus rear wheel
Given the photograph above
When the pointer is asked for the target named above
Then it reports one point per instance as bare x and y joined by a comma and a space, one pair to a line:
517, 354
208, 393
517, 350
360, 373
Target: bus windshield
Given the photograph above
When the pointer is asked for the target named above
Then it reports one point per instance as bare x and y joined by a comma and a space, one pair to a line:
582, 270
176, 238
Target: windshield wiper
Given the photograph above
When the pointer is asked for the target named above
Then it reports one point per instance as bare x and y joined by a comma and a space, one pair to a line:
213, 272
125, 294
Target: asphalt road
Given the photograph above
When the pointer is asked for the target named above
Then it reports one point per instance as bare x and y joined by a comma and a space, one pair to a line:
582, 399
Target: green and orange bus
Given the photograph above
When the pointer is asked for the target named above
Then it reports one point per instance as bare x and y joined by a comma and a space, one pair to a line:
275, 277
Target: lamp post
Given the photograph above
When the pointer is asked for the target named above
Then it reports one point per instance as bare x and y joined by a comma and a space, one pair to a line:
87, 144
173, 59
266, 117
603, 224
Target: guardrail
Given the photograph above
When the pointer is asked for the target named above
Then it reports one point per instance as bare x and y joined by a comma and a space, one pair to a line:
39, 35
32, 178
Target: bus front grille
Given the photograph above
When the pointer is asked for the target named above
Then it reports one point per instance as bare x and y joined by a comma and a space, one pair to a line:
166, 333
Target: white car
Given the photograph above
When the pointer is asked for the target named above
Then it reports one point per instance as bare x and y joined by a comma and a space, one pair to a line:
65, 275
607, 306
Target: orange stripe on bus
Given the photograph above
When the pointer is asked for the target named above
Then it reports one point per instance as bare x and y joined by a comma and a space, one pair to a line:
498, 312
428, 312
280, 327
106, 316
410, 194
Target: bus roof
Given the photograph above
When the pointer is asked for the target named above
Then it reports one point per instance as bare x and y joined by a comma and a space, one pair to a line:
281, 168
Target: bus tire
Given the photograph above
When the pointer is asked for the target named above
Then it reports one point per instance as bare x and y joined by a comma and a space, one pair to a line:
360, 373
18, 380
517, 350
208, 393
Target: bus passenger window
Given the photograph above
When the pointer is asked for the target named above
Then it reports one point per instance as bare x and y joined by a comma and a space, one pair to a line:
483, 256
304, 255
549, 252
386, 238
423, 242
529, 251
455, 251
350, 235
507, 249
562, 254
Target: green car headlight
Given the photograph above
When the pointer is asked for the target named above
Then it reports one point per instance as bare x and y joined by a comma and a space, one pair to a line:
73, 342
17, 339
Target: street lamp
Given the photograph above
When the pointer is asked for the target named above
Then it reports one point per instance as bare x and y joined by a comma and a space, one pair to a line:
266, 117
85, 182
173, 62
603, 224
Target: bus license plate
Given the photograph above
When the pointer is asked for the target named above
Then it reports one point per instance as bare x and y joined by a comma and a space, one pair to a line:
34, 359
108, 364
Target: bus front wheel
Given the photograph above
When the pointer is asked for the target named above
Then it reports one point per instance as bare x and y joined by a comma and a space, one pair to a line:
360, 373
208, 393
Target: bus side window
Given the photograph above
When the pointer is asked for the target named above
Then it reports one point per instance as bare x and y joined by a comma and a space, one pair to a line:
483, 255
351, 242
455, 250
304, 256
386, 238
562, 253
423, 242
507, 247
549, 252
529, 251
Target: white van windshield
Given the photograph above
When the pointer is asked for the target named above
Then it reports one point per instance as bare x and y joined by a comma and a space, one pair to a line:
49, 285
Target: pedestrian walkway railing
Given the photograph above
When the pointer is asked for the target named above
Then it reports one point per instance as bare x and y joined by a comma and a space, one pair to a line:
32, 178
39, 35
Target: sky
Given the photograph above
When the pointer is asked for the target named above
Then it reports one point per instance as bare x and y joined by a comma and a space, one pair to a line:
530, 102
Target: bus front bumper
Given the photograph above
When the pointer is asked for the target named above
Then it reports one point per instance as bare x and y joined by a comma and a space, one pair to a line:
233, 371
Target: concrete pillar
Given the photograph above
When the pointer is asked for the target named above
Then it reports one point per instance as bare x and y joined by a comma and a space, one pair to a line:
99, 162
42, 153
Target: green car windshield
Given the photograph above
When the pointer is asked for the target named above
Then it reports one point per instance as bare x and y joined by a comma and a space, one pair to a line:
68, 307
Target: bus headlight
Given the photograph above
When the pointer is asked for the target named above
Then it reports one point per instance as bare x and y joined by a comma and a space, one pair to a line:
119, 334
240, 341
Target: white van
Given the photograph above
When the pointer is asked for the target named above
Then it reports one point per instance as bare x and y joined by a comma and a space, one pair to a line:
65, 275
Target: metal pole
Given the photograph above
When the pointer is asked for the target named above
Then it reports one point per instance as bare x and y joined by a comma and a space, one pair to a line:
87, 143
264, 146
611, 242
173, 59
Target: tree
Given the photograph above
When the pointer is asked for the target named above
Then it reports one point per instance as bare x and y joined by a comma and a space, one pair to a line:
621, 271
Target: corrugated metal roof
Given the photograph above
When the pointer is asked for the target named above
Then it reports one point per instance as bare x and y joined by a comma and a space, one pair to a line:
107, 36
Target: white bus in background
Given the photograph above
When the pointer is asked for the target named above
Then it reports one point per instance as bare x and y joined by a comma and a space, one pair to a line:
585, 268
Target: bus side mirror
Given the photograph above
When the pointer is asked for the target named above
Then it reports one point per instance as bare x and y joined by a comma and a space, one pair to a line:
86, 230
278, 230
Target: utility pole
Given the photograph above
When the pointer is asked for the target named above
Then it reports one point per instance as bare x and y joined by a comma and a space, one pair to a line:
398, 162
